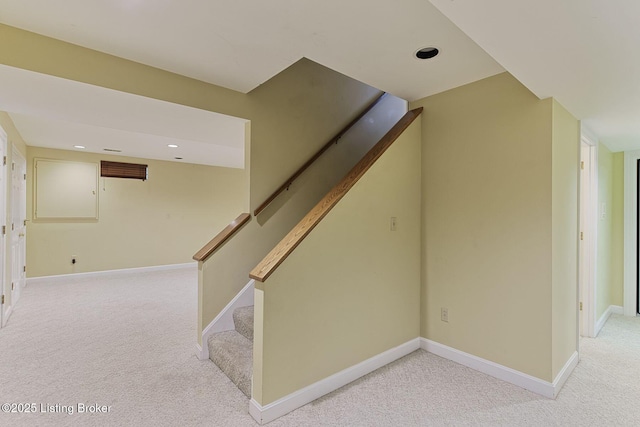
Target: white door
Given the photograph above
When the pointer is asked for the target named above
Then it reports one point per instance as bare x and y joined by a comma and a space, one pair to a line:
588, 238
5, 308
18, 225
583, 271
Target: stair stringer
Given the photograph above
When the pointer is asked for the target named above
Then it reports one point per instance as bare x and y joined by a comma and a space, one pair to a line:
224, 321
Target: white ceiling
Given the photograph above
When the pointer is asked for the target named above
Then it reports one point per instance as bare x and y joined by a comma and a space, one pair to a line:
237, 44
582, 52
57, 113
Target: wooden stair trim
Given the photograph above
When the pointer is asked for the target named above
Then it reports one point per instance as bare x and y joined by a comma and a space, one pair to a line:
233, 227
278, 254
315, 157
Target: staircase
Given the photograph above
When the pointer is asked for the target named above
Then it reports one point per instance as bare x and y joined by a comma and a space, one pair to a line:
232, 351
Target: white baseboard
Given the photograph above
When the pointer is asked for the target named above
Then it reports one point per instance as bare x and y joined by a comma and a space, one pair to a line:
199, 352
528, 382
565, 373
224, 320
268, 413
616, 309
6, 316
62, 277
612, 309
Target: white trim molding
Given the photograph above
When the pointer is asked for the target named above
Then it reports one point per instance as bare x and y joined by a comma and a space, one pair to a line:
7, 315
224, 320
589, 225
612, 309
588, 134
565, 373
616, 309
630, 231
106, 273
520, 379
266, 414
271, 411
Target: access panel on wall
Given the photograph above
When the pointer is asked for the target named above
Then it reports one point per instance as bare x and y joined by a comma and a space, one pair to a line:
65, 190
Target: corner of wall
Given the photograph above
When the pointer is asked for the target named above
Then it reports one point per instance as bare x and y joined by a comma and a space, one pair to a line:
565, 225
486, 219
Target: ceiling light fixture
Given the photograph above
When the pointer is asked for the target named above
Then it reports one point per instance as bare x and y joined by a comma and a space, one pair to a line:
172, 146
79, 146
427, 53
178, 158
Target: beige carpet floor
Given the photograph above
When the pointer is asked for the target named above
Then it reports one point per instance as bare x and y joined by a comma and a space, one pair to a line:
128, 343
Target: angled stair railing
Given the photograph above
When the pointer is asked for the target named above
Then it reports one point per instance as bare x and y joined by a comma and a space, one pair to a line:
231, 229
315, 157
268, 265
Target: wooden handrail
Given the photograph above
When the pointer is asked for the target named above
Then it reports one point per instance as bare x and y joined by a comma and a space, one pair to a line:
233, 227
278, 254
309, 162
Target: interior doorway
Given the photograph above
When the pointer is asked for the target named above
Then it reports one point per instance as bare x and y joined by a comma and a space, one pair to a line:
631, 226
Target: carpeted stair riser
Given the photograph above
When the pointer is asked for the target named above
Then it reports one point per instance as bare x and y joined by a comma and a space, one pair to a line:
243, 320
232, 351
233, 354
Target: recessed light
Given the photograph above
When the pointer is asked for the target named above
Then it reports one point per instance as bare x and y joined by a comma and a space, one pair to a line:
172, 146
427, 52
79, 146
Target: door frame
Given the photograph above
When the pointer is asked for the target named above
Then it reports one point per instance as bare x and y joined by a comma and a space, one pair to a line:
587, 270
630, 231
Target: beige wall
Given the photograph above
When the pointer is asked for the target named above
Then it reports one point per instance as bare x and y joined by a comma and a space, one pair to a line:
617, 213
604, 226
487, 223
609, 282
163, 220
293, 115
351, 289
564, 249
488, 186
31, 51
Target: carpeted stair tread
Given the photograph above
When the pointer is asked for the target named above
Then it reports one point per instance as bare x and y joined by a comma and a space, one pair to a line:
243, 321
233, 354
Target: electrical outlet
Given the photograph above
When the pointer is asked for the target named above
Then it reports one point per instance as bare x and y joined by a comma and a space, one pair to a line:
393, 223
73, 259
444, 314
